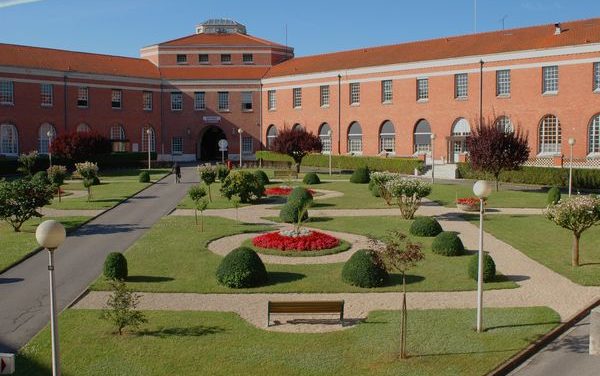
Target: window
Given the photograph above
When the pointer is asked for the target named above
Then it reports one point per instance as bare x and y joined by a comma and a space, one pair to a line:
354, 93
6, 92
461, 127
246, 101
9, 140
247, 145
461, 85
324, 95
272, 99
386, 91
297, 102
503, 82
549, 135
550, 77
177, 145
83, 128
271, 135
422, 89
46, 134
325, 136
247, 58
223, 101
355, 138
116, 99
504, 124
181, 59
225, 59
297, 127
117, 137
203, 58
176, 101
82, 97
387, 137
145, 139
422, 137
594, 135
147, 99
596, 76
47, 94
199, 101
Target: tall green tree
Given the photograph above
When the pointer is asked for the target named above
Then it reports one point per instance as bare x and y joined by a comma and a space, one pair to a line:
20, 200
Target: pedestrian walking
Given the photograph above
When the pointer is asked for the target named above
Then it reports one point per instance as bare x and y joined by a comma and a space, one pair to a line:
177, 172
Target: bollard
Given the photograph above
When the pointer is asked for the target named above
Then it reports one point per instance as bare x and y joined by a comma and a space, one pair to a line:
595, 331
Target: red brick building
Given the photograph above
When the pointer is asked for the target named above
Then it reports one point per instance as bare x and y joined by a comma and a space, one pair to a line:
389, 100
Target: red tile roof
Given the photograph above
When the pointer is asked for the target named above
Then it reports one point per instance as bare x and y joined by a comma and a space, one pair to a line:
528, 38
213, 73
222, 39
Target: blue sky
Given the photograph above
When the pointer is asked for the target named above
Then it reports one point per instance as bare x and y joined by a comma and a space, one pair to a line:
121, 27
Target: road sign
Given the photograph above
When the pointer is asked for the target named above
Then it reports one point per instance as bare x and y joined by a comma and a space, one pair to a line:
7, 364
223, 143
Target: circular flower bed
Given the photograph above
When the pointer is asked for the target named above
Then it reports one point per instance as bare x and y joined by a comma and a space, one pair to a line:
282, 191
290, 240
468, 204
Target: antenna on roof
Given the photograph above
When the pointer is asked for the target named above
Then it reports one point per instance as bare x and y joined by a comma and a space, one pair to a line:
503, 19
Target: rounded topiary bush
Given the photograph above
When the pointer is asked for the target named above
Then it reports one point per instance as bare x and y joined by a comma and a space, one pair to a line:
447, 244
489, 267
300, 194
144, 177
553, 195
262, 177
360, 176
290, 211
364, 269
115, 266
241, 268
425, 226
311, 178
40, 177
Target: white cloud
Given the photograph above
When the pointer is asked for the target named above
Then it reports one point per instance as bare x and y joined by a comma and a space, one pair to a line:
11, 3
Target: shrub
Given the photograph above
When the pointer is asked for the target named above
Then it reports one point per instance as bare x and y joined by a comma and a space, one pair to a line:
300, 194
407, 194
425, 226
243, 184
79, 147
364, 269
262, 177
447, 244
222, 172
553, 196
375, 190
121, 308
115, 266
360, 176
56, 176
27, 163
41, 177
20, 199
242, 268
144, 177
290, 211
311, 178
489, 267
381, 179
95, 180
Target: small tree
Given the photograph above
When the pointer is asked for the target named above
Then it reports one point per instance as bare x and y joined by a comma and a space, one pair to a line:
208, 175
493, 150
20, 199
296, 143
79, 147
408, 194
201, 207
400, 254
121, 308
196, 193
380, 179
235, 200
89, 172
57, 175
576, 214
27, 163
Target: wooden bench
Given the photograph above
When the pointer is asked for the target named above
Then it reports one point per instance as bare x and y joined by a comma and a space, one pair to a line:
285, 174
322, 306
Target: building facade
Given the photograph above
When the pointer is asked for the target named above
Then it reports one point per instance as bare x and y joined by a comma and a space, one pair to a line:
389, 100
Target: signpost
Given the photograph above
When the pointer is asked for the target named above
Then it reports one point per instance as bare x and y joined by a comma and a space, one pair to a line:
223, 148
7, 364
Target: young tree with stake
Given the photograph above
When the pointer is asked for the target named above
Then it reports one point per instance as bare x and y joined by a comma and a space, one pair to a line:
197, 194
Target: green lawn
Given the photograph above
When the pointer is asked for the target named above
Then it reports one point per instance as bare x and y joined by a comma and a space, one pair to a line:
16, 245
172, 257
440, 342
218, 201
549, 244
446, 194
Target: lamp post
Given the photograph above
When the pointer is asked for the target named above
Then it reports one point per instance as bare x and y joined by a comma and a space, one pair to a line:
571, 144
50, 134
50, 235
330, 149
482, 189
432, 159
240, 131
149, 133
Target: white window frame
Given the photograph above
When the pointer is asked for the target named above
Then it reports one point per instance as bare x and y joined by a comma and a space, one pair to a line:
594, 136
9, 140
176, 101
144, 143
355, 144
199, 101
550, 79
116, 96
83, 94
297, 97
225, 58
223, 104
271, 136
201, 60
7, 92
176, 145
324, 95
47, 95
503, 83
43, 139
387, 93
272, 100
461, 86
247, 101
247, 145
504, 124
354, 93
549, 136
596, 80
147, 100
422, 89
245, 59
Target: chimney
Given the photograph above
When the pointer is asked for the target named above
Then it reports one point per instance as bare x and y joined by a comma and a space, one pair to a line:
557, 29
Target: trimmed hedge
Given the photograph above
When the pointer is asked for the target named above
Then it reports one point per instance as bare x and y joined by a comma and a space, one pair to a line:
242, 268
144, 177
300, 193
346, 162
425, 226
364, 269
447, 243
115, 266
298, 198
360, 176
262, 177
553, 195
489, 267
311, 178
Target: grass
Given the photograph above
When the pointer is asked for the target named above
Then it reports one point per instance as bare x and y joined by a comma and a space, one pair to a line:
218, 201
548, 244
172, 257
446, 194
17, 245
343, 246
440, 342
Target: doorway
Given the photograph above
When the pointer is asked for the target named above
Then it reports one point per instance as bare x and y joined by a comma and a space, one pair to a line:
208, 145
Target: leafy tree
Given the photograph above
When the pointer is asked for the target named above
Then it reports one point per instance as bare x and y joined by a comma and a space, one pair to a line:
89, 172
197, 194
57, 175
243, 184
493, 150
576, 214
296, 143
408, 194
208, 175
79, 147
27, 163
380, 179
400, 254
20, 199
121, 308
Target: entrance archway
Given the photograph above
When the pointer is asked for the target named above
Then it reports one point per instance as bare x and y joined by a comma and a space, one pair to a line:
208, 144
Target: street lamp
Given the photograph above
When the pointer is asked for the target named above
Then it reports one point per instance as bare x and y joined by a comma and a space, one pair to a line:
149, 134
432, 158
50, 134
482, 189
571, 144
330, 149
50, 235
240, 131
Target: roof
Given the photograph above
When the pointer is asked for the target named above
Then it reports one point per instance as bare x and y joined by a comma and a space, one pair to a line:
528, 38
214, 73
71, 61
220, 21
220, 39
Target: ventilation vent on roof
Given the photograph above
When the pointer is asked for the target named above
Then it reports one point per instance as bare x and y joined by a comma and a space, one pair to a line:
557, 29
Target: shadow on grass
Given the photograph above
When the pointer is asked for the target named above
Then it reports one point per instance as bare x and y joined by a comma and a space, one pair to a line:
491, 328
396, 279
148, 279
194, 331
317, 204
318, 219
283, 277
26, 366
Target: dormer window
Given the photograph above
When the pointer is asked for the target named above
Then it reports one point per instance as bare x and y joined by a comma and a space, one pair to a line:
181, 59
248, 59
203, 58
225, 58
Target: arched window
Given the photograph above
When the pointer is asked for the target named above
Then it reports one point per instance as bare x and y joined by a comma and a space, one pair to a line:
9, 140
83, 128
355, 138
46, 133
297, 127
422, 137
145, 139
271, 134
504, 124
594, 135
325, 136
387, 137
117, 136
461, 127
549, 135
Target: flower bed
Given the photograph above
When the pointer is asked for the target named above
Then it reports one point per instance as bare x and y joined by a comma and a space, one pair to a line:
468, 204
282, 191
288, 240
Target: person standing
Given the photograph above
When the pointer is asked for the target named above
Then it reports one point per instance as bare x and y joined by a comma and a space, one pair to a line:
177, 172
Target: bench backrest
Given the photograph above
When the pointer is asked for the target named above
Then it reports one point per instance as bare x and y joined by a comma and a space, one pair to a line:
307, 307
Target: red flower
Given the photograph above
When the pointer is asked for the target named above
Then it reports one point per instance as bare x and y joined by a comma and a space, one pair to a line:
312, 242
470, 201
282, 191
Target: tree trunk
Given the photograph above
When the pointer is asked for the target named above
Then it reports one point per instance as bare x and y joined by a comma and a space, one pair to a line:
297, 167
209, 195
403, 318
575, 252
201, 222
196, 216
59, 198
497, 176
